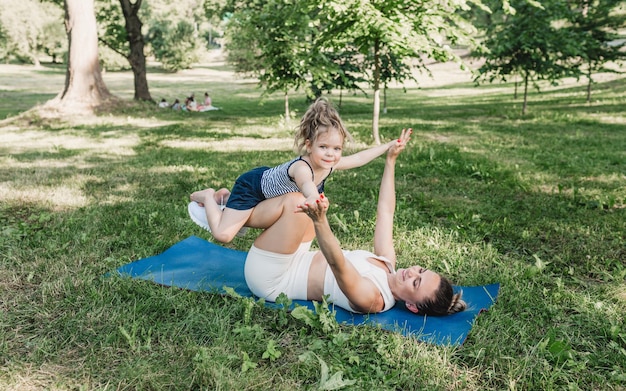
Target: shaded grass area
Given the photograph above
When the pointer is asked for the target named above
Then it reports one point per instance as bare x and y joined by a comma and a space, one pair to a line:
485, 195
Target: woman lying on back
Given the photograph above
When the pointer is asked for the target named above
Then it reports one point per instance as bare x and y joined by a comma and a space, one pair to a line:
280, 259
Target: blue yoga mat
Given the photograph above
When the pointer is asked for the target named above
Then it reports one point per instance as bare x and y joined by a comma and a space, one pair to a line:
199, 265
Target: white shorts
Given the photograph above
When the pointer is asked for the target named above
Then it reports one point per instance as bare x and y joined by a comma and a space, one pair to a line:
269, 274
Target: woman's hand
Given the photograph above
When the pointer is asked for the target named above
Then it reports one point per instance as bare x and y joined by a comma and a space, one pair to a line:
400, 143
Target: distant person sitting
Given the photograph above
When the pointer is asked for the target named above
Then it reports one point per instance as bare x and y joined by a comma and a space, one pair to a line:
163, 103
208, 104
191, 104
177, 105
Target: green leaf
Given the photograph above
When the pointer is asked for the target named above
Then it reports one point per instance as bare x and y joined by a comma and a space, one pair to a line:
305, 315
334, 382
247, 363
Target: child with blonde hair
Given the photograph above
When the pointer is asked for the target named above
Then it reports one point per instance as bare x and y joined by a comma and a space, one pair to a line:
319, 140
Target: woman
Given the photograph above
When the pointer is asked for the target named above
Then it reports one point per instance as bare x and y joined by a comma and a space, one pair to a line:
359, 281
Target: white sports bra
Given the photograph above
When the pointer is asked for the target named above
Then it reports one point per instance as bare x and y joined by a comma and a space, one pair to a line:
378, 276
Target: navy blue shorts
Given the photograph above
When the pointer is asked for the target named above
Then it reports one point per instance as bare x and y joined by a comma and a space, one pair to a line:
246, 193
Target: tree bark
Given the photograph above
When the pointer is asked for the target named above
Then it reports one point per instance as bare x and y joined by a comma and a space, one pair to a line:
84, 87
525, 93
136, 58
385, 99
589, 82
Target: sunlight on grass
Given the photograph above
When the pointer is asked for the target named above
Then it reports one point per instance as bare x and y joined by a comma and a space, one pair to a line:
30, 140
38, 156
58, 197
43, 164
232, 144
113, 120
609, 119
437, 92
621, 294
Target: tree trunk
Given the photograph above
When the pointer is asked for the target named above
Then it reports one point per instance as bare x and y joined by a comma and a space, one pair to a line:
376, 114
35, 59
589, 83
287, 116
385, 99
84, 88
525, 93
136, 58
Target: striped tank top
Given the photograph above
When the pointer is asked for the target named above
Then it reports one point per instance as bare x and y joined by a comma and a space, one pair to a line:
276, 180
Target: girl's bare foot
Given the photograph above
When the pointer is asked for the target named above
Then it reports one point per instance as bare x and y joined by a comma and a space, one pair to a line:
221, 196
202, 196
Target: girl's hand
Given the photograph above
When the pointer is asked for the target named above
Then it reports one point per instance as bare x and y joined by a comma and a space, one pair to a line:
316, 210
313, 199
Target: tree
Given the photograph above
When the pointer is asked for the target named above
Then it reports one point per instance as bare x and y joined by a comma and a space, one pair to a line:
122, 34
84, 87
346, 74
528, 42
177, 32
174, 45
53, 41
307, 43
136, 56
402, 30
273, 40
393, 68
596, 25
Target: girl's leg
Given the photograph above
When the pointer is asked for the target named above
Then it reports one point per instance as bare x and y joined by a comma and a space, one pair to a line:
285, 229
229, 222
220, 196
225, 224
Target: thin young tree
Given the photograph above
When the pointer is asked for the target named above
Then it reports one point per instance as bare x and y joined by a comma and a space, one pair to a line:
291, 42
407, 31
527, 42
272, 40
596, 25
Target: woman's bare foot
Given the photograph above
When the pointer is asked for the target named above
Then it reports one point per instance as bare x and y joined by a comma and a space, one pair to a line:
202, 196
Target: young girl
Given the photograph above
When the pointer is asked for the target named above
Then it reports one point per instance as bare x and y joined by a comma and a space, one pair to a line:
319, 140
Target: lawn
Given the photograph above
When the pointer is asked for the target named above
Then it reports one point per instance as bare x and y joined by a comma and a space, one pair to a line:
536, 203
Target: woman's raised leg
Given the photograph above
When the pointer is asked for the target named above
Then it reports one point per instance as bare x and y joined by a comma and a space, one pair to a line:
285, 229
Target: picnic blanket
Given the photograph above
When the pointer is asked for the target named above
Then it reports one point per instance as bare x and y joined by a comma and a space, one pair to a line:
199, 265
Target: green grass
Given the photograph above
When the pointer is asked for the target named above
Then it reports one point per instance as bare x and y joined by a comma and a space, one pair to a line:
537, 203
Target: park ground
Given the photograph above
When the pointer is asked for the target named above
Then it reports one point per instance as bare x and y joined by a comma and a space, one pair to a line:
535, 202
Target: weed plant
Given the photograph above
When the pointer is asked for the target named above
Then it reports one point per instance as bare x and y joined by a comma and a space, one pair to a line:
536, 203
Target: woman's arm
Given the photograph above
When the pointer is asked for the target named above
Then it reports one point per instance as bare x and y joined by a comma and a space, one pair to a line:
383, 234
363, 295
